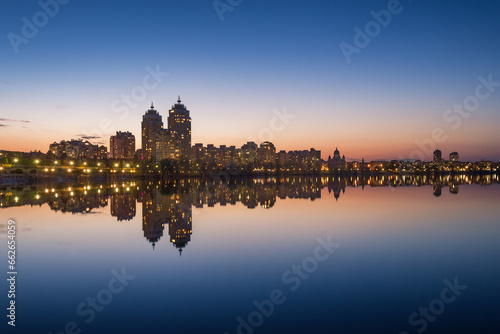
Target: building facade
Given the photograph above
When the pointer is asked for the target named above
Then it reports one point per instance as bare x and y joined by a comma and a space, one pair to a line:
437, 156
336, 163
78, 149
150, 126
122, 145
179, 123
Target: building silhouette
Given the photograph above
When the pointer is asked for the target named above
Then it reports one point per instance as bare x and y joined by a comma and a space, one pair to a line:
437, 156
150, 126
179, 124
336, 163
454, 157
77, 149
122, 145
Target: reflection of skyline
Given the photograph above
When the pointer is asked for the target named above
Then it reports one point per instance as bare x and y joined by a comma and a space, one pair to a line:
123, 206
171, 205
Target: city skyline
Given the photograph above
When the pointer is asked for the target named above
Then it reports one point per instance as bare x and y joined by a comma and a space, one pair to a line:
389, 97
172, 142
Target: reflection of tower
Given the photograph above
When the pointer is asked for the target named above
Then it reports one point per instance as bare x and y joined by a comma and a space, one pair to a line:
437, 190
152, 212
180, 220
337, 184
123, 206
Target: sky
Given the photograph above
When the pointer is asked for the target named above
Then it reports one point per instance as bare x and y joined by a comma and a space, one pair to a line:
256, 70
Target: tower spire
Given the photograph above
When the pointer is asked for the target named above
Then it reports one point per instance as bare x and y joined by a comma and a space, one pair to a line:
152, 106
179, 99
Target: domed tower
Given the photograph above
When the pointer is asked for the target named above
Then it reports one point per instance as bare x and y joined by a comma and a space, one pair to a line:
179, 123
150, 126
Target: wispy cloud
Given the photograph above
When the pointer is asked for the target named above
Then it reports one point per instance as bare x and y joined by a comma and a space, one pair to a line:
3, 125
89, 137
13, 120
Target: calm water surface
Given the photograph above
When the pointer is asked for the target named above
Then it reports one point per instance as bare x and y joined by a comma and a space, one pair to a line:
195, 257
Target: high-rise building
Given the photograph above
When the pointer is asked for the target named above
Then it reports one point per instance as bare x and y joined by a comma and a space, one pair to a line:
150, 126
454, 157
122, 145
166, 145
267, 153
437, 156
179, 123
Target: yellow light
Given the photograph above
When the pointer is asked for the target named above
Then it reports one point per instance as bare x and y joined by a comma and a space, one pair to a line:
85, 164
128, 165
85, 192
57, 195
46, 169
16, 160
71, 163
53, 190
37, 196
16, 199
116, 165
99, 191
46, 190
56, 162
69, 170
71, 194
69, 189
37, 161
98, 164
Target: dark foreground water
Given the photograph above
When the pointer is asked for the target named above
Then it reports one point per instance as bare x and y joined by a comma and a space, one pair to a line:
255, 256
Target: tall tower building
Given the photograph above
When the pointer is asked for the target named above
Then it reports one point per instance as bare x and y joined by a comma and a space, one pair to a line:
150, 126
179, 123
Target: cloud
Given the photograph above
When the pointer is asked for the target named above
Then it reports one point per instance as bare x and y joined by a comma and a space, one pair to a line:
3, 125
13, 120
89, 137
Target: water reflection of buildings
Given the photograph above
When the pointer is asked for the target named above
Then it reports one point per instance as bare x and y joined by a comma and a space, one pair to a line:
173, 210
123, 206
77, 204
171, 205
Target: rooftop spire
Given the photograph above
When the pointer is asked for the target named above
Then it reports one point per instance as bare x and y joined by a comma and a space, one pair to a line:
152, 106
179, 99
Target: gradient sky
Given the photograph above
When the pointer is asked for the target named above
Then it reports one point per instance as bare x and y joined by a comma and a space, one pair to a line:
264, 56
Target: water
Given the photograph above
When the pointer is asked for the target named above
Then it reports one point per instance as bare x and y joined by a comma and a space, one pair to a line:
198, 256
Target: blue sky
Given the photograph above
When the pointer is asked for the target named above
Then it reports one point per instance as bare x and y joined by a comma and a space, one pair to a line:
264, 56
